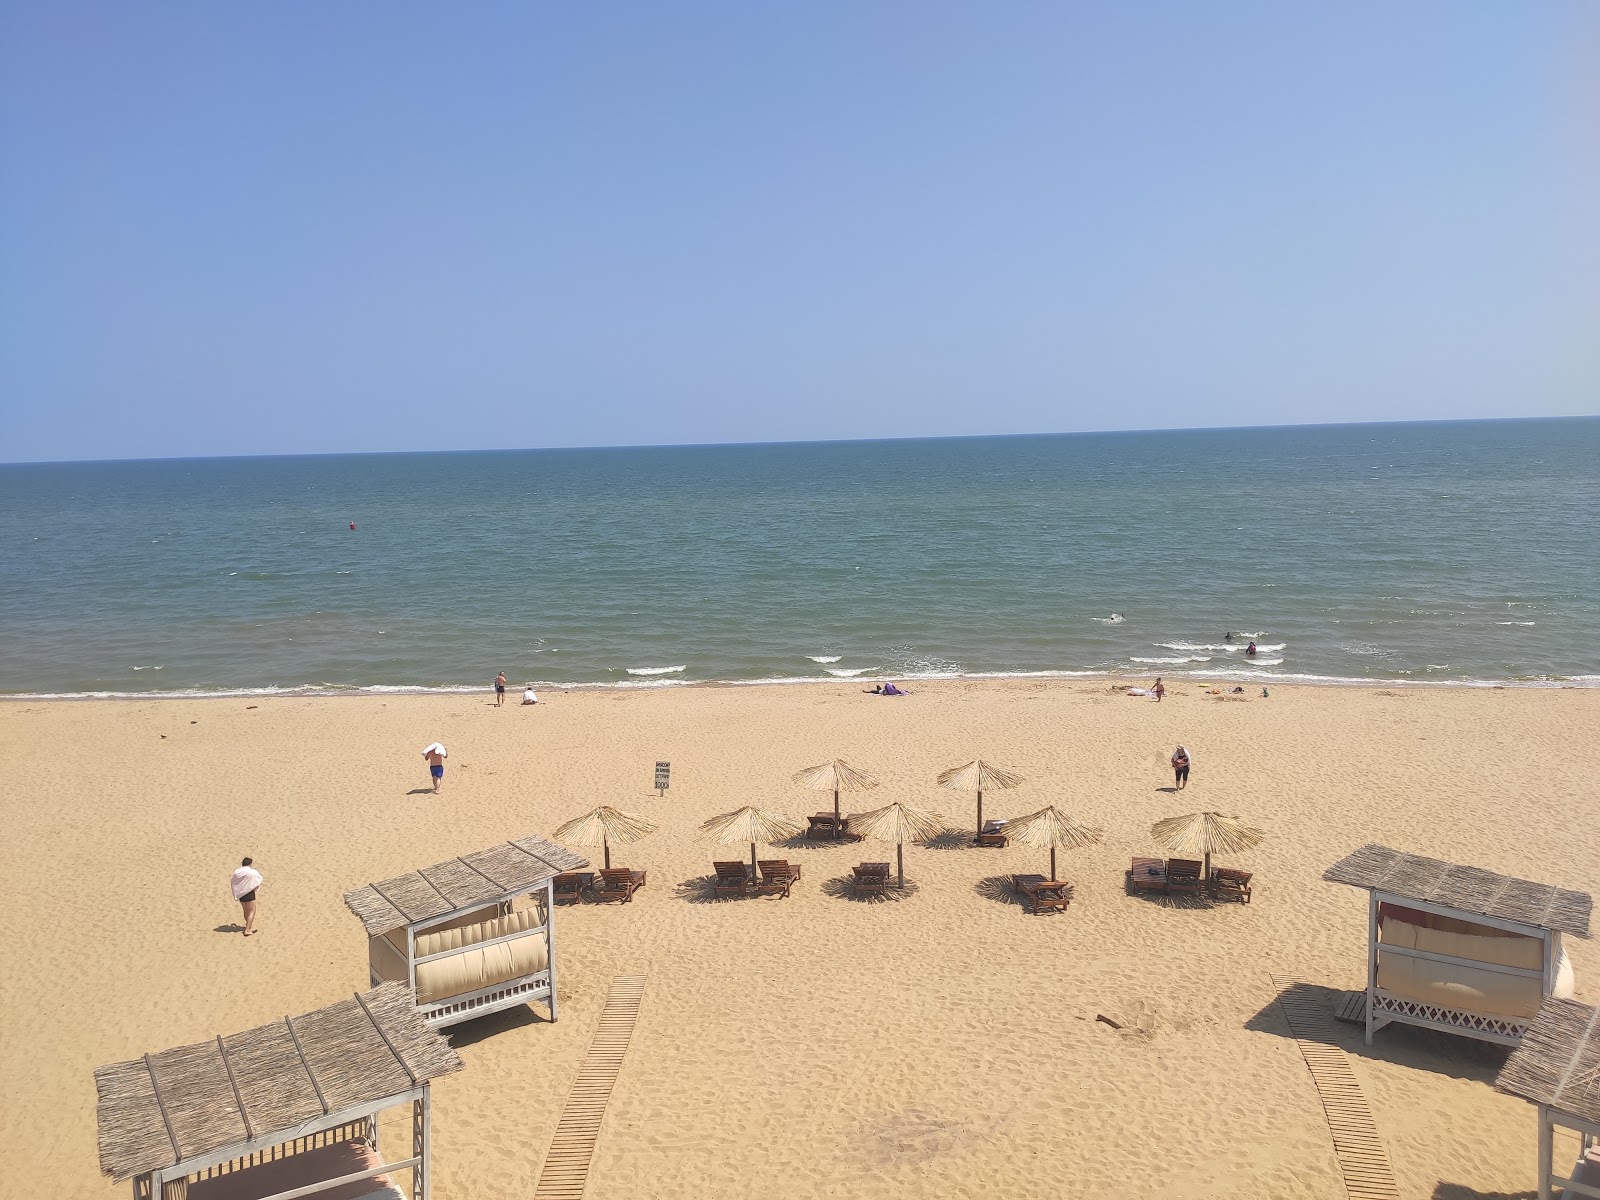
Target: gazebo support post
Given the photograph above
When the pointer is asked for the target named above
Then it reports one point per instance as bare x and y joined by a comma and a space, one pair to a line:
1546, 1152
422, 1144
550, 940
1372, 957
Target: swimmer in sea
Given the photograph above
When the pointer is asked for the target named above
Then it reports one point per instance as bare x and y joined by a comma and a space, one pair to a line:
1250, 650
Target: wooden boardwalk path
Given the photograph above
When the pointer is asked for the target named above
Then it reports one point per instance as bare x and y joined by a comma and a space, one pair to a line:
566, 1166
1362, 1159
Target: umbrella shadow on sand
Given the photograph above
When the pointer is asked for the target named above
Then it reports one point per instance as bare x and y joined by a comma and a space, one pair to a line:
842, 888
950, 839
1183, 900
998, 888
801, 842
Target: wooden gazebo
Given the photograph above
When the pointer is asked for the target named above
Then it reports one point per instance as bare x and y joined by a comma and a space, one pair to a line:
1458, 948
284, 1110
470, 935
1557, 1067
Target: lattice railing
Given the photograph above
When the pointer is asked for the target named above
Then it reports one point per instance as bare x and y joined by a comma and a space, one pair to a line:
1384, 1004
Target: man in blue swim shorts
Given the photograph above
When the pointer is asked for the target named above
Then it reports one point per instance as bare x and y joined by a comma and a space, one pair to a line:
435, 753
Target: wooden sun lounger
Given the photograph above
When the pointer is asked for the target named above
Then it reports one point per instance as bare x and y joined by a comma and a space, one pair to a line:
871, 879
569, 886
777, 877
733, 879
1043, 895
820, 825
1184, 876
1148, 875
1230, 883
618, 883
991, 837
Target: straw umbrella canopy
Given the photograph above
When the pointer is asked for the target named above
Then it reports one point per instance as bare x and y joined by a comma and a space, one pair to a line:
1205, 834
1051, 827
835, 776
899, 823
752, 825
604, 825
978, 776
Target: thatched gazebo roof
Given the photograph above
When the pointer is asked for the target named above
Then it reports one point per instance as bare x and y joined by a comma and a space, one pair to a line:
978, 776
1558, 1062
457, 883
835, 776
166, 1108
1469, 889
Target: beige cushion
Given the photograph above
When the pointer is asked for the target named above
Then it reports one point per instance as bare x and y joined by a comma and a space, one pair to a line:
1466, 989
472, 969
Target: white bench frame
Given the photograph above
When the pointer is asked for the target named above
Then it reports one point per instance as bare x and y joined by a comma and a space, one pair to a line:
1385, 1008
507, 994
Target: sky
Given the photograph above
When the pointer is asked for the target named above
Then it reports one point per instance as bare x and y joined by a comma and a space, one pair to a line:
304, 227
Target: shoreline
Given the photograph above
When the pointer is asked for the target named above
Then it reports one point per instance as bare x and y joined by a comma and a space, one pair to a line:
1201, 679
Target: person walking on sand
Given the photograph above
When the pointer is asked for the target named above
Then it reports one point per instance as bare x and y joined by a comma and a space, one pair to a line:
1180, 768
435, 753
500, 689
1158, 690
244, 883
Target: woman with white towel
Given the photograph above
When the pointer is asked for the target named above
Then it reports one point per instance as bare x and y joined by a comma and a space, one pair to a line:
244, 883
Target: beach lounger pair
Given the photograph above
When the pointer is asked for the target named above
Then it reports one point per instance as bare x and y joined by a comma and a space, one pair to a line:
738, 879
821, 825
1043, 895
870, 879
613, 883
1186, 877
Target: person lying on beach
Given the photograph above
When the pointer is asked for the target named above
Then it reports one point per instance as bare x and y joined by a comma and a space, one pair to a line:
528, 696
889, 689
246, 879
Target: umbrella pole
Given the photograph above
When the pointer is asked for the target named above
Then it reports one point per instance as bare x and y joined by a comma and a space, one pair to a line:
836, 814
1208, 866
1052, 864
606, 843
980, 811
900, 860
752, 858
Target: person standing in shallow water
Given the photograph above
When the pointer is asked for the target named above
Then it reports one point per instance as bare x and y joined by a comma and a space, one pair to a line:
244, 883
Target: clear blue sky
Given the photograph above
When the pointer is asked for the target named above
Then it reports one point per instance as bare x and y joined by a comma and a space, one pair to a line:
286, 227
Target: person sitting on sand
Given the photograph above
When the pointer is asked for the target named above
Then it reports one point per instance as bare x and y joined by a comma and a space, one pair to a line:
244, 883
1180, 768
528, 696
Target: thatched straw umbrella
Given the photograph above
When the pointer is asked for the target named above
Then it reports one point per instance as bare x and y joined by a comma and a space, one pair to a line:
835, 776
605, 825
978, 776
1051, 827
899, 823
1205, 834
750, 825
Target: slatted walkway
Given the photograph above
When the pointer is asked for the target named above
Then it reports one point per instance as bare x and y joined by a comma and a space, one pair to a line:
1356, 1144
566, 1166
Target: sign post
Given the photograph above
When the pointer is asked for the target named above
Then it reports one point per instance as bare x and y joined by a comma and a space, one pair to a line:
663, 770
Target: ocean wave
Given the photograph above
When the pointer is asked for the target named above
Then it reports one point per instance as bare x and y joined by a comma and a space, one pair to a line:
1113, 619
655, 670
1136, 659
846, 672
147, 668
824, 658
1516, 622
1229, 647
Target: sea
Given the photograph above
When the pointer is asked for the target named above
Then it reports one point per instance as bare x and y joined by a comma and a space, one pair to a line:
1454, 553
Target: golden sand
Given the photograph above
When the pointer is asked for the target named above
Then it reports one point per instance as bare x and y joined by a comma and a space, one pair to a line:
942, 1045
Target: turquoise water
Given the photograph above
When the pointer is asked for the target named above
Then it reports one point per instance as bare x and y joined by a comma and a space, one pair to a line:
1423, 552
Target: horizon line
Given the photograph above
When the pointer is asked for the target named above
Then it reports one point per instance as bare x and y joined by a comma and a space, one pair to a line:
945, 437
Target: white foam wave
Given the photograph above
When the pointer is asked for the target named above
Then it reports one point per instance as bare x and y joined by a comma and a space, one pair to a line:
1516, 622
655, 670
847, 672
147, 668
824, 658
1206, 658
1113, 619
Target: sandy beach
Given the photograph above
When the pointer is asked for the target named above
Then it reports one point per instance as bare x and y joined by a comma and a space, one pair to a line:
942, 1045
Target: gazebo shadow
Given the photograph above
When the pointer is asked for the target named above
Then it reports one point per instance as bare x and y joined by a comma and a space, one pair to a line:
998, 888
1428, 1050
1460, 1191
470, 1033
841, 887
